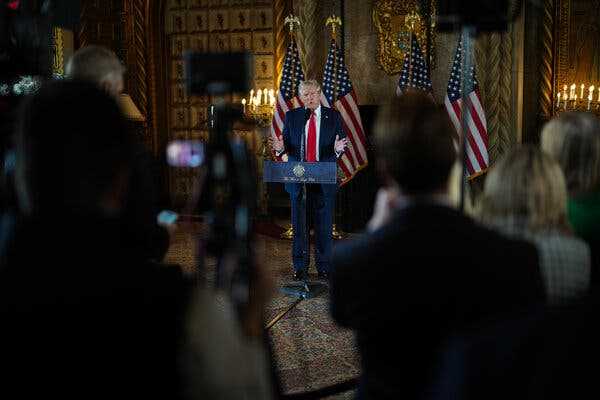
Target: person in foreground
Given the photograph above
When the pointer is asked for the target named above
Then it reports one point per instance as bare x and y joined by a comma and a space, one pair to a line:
324, 141
423, 267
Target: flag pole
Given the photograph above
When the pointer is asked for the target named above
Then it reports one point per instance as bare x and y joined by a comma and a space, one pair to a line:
333, 22
468, 33
291, 20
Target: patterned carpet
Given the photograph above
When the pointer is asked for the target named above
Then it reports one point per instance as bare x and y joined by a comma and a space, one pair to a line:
310, 351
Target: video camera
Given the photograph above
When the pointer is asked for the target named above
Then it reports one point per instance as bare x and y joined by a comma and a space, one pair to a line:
227, 193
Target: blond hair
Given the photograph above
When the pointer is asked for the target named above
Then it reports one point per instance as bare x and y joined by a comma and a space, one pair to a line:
526, 186
308, 83
573, 139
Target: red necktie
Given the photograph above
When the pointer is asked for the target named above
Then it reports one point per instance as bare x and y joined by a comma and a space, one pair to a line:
311, 141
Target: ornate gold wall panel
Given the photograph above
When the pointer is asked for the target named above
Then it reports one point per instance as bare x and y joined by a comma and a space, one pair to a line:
389, 20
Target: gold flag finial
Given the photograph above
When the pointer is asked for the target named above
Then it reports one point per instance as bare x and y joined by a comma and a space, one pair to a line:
333, 20
291, 20
411, 20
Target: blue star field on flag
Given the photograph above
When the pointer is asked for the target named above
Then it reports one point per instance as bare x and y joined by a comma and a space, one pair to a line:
292, 72
335, 75
415, 72
454, 83
287, 95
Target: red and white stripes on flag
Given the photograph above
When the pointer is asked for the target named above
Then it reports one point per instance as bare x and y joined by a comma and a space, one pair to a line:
287, 95
339, 94
477, 158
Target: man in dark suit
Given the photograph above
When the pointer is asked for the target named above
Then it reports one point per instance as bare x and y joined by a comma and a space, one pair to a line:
312, 133
424, 268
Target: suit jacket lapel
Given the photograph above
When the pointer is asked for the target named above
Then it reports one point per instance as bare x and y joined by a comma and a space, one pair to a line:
323, 127
302, 128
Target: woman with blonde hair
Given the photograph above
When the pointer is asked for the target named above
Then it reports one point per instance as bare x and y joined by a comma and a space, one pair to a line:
525, 196
573, 139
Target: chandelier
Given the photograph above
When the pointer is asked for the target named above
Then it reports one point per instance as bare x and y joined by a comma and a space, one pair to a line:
260, 106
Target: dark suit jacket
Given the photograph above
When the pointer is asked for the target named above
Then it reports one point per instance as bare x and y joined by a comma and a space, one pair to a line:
404, 287
293, 132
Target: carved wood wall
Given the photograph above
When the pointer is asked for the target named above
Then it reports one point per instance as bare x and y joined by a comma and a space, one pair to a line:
121, 25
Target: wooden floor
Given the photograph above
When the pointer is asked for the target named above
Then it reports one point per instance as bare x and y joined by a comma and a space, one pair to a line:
310, 350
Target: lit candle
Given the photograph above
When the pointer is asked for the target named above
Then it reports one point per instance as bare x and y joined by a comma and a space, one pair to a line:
266, 93
582, 87
251, 95
244, 104
272, 96
259, 96
572, 94
557, 102
589, 100
565, 92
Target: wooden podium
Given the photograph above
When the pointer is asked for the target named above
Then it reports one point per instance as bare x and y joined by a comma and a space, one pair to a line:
304, 173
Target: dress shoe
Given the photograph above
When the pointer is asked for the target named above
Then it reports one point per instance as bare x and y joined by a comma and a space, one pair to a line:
323, 275
299, 275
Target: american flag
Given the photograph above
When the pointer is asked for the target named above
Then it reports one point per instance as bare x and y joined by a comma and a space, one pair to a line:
415, 73
477, 159
339, 94
287, 96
